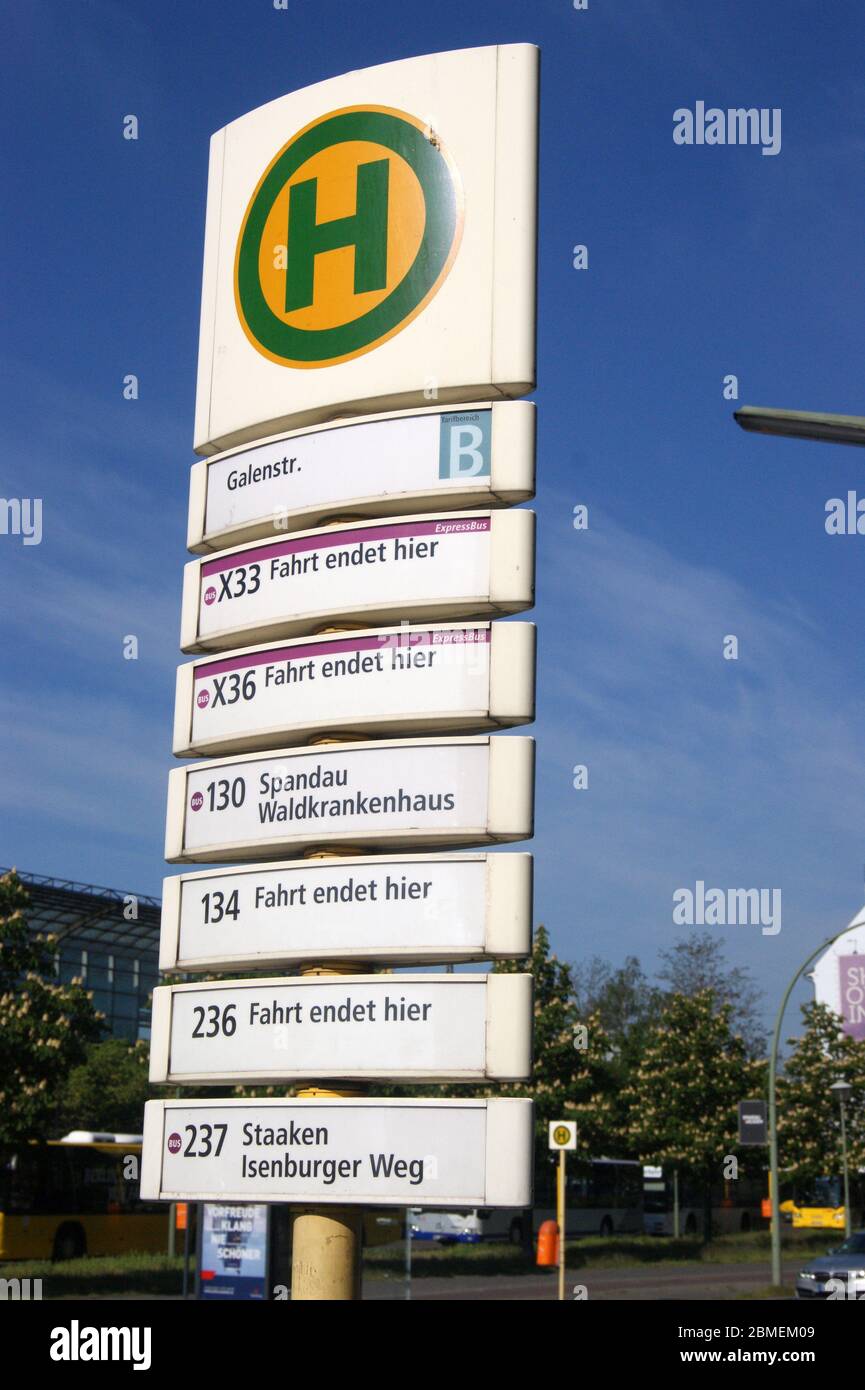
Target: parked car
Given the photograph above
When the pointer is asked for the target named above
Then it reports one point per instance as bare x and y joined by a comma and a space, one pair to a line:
840, 1273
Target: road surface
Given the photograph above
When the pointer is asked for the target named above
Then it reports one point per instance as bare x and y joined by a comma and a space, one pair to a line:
665, 1283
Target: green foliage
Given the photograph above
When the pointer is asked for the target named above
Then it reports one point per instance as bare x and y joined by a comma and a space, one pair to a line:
809, 1116
682, 1097
624, 1001
574, 1063
696, 962
646, 1074
108, 1089
45, 1026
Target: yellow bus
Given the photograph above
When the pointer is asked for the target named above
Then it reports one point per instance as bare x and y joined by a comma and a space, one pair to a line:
818, 1204
76, 1196
79, 1196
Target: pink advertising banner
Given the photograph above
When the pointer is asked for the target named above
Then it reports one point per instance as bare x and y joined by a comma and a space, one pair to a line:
852, 981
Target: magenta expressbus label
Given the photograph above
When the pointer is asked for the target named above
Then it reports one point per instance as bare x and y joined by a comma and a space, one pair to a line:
450, 637
325, 540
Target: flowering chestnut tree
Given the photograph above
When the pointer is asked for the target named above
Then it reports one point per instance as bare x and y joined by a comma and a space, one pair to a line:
809, 1116
574, 1073
683, 1095
45, 1026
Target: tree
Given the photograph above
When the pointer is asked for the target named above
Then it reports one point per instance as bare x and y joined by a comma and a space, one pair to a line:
623, 1000
45, 1026
573, 1075
682, 1098
696, 963
809, 1117
108, 1089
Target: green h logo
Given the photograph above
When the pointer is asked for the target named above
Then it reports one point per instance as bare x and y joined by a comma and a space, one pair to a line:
340, 250
365, 230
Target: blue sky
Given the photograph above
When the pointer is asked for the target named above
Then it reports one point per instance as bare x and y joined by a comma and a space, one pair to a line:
703, 261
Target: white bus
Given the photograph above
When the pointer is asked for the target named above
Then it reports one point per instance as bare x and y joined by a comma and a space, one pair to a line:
736, 1204
603, 1197
468, 1226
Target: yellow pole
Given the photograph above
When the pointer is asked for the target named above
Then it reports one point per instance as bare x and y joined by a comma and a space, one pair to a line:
325, 1259
326, 1242
561, 1220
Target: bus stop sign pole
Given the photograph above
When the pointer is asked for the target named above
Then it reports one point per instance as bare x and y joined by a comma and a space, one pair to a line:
560, 1217
563, 1136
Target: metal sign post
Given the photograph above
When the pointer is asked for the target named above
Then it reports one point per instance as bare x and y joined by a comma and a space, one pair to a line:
563, 1136
367, 325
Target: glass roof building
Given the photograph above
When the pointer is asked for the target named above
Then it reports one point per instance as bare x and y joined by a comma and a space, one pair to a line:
109, 940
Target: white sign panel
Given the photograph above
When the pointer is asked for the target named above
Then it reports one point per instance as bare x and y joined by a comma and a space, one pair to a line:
369, 240
401, 909
436, 459
839, 977
562, 1134
391, 794
431, 1153
464, 565
405, 1027
393, 680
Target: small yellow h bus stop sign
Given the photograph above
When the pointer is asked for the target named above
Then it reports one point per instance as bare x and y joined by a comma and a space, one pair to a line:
563, 1136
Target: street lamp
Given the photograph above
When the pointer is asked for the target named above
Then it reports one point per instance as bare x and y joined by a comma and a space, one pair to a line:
841, 1091
830, 429
802, 424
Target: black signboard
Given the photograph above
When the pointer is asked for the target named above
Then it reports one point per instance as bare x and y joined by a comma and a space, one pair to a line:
753, 1124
